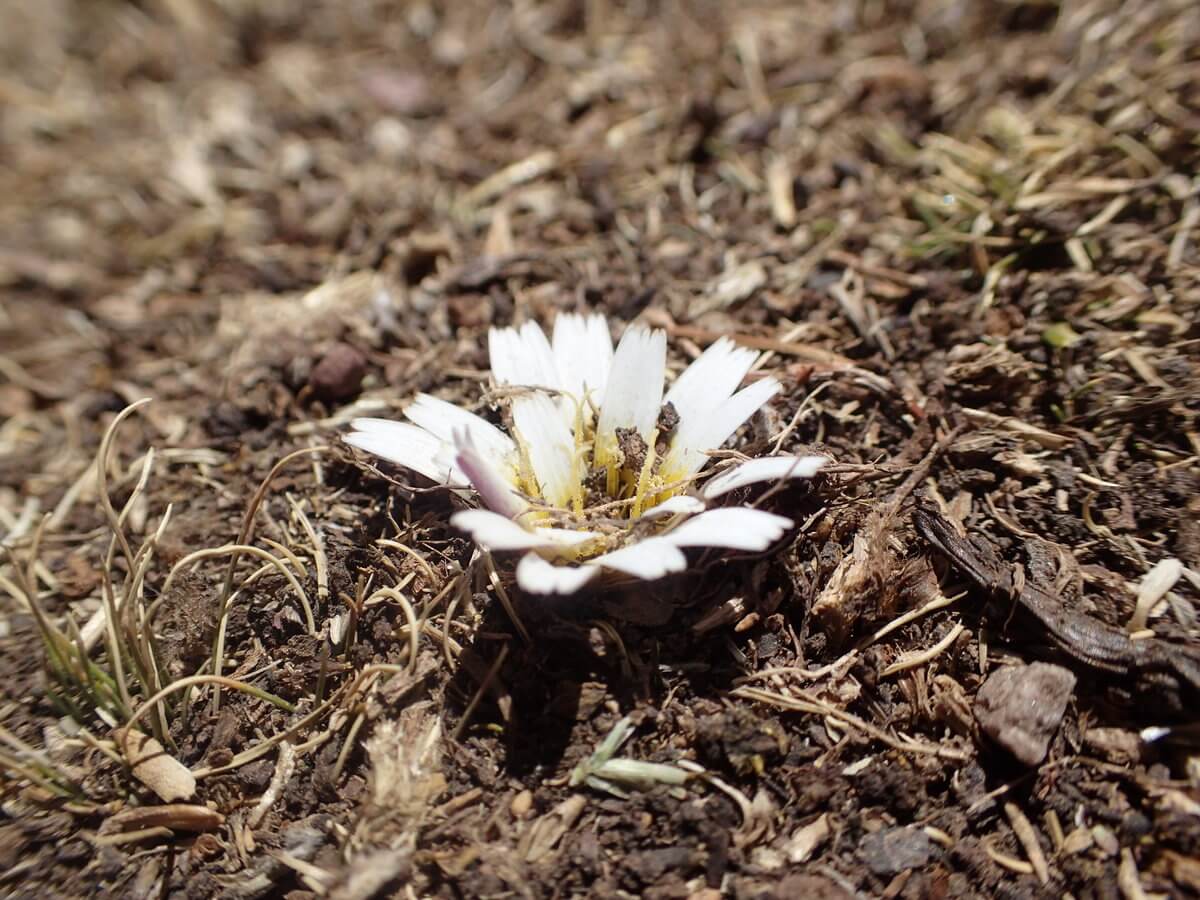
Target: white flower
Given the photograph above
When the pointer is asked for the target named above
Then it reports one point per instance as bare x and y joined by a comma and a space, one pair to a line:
598, 471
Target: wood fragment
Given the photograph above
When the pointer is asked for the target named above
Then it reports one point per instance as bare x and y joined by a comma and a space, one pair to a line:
538, 842
811, 352
779, 187
119, 838
849, 260
154, 767
175, 816
1083, 638
499, 241
1054, 827
1020, 866
1183, 232
532, 167
1153, 588
805, 840
1127, 877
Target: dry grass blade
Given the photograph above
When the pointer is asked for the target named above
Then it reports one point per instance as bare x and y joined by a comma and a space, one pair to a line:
112, 609
484, 685
237, 550
338, 699
80, 686
410, 615
920, 658
434, 581
244, 536
191, 681
36, 767
802, 701
320, 560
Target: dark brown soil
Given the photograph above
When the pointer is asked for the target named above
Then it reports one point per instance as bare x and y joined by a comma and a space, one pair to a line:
965, 232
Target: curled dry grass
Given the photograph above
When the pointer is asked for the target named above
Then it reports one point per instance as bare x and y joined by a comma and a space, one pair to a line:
108, 675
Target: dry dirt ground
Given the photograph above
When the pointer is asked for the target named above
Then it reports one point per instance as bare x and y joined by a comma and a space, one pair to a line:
965, 232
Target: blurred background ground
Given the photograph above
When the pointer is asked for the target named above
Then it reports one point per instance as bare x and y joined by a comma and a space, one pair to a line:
966, 232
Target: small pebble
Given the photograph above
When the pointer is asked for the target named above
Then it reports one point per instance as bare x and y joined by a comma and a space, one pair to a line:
339, 374
893, 850
1106, 840
522, 804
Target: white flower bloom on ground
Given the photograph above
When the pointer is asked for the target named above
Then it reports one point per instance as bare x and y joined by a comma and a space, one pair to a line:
600, 472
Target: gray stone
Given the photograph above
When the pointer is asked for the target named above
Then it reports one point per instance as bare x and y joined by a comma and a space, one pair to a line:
891, 851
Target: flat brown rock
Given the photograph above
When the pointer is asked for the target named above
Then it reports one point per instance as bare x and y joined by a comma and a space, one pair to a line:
1021, 707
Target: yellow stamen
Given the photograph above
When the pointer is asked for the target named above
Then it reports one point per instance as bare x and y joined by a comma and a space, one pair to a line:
578, 464
605, 456
525, 477
667, 483
645, 476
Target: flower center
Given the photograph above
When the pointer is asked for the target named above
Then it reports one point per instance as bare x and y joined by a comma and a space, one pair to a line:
616, 475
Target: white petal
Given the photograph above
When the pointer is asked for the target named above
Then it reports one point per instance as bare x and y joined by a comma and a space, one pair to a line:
444, 420
680, 503
736, 527
565, 537
537, 576
697, 435
633, 396
541, 356
501, 355
769, 468
492, 531
493, 484
522, 357
583, 352
550, 444
406, 445
710, 380
648, 559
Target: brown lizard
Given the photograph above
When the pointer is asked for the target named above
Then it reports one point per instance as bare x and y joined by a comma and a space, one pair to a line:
1156, 664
